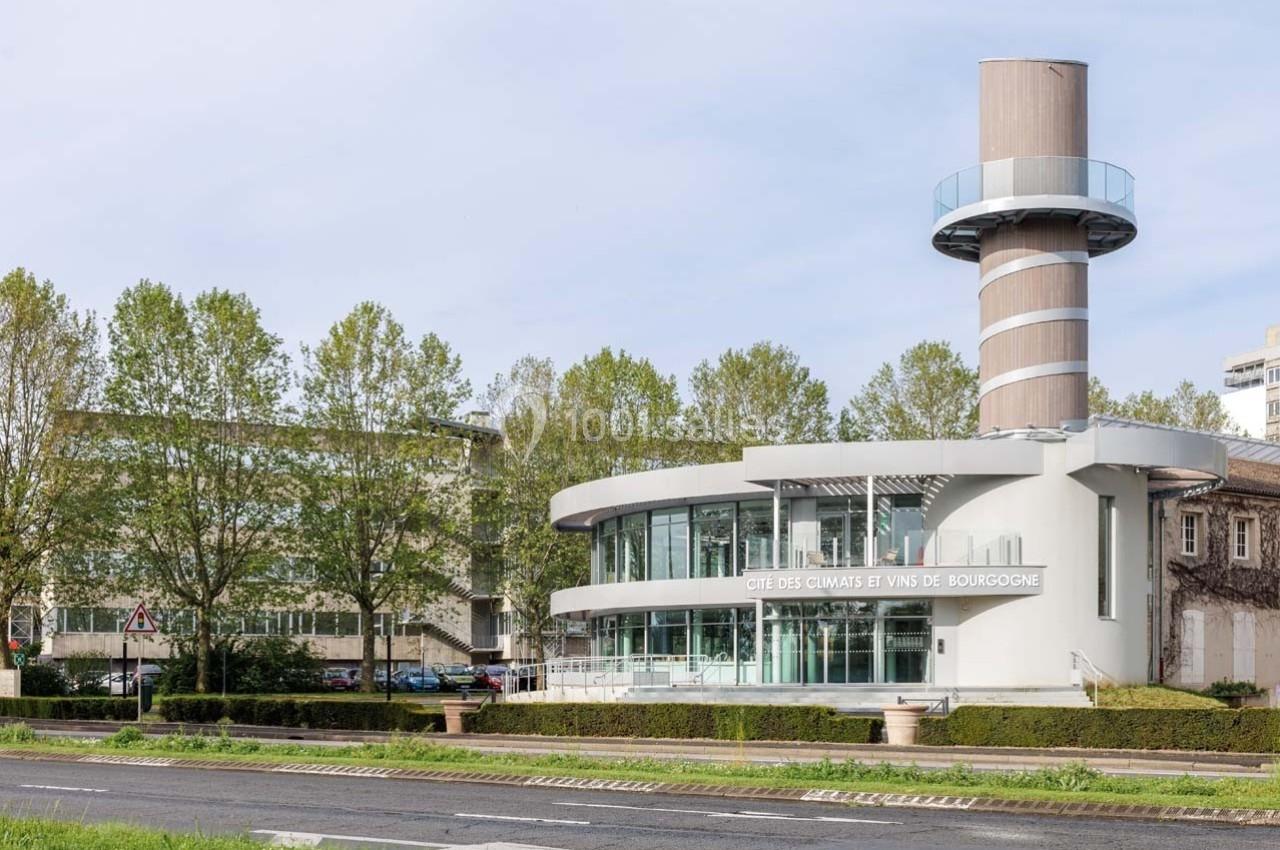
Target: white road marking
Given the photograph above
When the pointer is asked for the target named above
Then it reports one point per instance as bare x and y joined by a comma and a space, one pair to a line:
313, 839
814, 818
526, 820
715, 814
63, 788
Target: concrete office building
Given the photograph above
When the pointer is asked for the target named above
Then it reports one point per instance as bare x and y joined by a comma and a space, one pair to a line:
1003, 568
467, 624
1252, 382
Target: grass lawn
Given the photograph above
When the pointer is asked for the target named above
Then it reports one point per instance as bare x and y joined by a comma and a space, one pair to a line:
40, 834
1154, 696
1074, 782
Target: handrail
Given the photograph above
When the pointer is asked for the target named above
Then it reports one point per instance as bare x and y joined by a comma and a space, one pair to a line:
1081, 661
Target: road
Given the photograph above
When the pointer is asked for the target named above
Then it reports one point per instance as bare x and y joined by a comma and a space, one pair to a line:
389, 814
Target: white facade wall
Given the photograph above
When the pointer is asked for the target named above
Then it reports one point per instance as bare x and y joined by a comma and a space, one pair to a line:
1248, 409
1027, 641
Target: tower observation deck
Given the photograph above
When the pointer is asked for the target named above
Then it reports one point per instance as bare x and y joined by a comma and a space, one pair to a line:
1031, 214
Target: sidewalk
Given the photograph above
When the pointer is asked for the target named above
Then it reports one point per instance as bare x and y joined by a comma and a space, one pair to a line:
1116, 762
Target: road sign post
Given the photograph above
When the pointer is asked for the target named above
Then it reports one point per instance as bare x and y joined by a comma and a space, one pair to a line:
140, 623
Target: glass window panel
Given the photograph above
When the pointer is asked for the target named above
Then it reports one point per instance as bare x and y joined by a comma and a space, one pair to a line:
348, 623
755, 534
633, 556
669, 544
609, 551
713, 540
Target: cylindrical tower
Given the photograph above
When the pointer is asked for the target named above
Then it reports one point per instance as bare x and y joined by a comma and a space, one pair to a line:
1031, 214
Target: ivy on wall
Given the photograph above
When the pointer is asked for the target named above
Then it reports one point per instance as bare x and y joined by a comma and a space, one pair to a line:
1216, 577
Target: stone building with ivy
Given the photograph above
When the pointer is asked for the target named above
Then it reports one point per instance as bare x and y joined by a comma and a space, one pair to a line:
1219, 582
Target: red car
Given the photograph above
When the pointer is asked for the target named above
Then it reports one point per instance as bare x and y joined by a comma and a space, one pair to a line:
337, 680
490, 676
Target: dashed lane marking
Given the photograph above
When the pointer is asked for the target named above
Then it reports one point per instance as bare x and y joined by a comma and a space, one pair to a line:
524, 819
281, 838
711, 813
64, 788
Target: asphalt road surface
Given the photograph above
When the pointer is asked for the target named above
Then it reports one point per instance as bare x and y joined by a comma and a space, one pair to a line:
306, 811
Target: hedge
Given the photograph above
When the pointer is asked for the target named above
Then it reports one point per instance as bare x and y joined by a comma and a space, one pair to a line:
358, 715
676, 720
1247, 730
69, 708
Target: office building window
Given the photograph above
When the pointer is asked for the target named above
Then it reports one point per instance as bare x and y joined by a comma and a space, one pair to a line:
1273, 409
713, 540
669, 544
1273, 374
1240, 533
632, 561
1106, 555
1190, 534
608, 556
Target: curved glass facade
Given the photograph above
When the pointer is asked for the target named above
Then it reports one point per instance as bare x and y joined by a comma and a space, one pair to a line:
857, 642
720, 539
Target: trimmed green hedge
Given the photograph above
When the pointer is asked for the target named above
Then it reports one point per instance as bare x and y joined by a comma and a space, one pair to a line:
676, 720
69, 708
358, 715
1247, 730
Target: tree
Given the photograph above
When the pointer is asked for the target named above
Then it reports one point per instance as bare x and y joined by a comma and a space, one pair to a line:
49, 364
197, 455
931, 395
540, 457
380, 481
1185, 407
621, 414
761, 395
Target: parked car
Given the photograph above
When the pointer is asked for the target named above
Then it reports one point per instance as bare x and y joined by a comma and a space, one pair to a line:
336, 679
490, 676
119, 684
417, 681
454, 677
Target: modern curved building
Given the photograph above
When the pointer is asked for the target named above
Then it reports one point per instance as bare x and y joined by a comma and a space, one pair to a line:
996, 567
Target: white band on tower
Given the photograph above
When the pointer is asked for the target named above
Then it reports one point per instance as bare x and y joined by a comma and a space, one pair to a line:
1026, 373
1048, 258
1034, 317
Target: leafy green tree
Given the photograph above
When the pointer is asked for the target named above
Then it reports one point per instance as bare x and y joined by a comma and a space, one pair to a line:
620, 412
380, 482
1185, 407
760, 395
541, 456
931, 395
196, 456
49, 365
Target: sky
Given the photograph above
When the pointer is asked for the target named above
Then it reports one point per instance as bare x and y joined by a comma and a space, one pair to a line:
672, 179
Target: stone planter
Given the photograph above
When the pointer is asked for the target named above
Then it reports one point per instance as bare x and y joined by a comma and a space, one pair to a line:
902, 724
454, 711
11, 683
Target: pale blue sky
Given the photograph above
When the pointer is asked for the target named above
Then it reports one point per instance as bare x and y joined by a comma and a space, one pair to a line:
670, 178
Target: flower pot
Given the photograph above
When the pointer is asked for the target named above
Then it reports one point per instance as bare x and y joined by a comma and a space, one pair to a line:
902, 724
454, 710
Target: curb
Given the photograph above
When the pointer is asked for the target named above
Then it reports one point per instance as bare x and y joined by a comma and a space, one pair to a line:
1239, 817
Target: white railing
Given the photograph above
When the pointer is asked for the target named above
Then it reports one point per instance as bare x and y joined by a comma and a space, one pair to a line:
1083, 668
929, 547
612, 672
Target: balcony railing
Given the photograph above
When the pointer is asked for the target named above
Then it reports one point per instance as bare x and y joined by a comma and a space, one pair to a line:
927, 547
1034, 175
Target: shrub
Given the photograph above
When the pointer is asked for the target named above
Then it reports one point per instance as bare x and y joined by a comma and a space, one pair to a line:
1249, 730
359, 715
69, 708
1225, 689
676, 720
44, 680
124, 738
84, 672
259, 665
